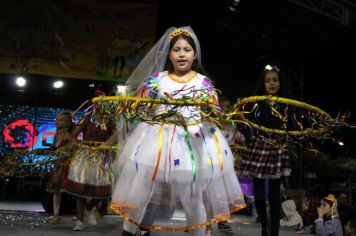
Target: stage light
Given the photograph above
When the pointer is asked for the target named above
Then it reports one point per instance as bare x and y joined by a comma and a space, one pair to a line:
121, 89
233, 5
58, 84
341, 143
20, 81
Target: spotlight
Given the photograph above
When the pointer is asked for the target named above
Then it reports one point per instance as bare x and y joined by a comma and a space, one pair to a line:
121, 89
341, 143
233, 5
20, 81
58, 84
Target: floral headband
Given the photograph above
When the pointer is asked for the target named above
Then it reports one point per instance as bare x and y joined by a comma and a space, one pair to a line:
180, 32
332, 199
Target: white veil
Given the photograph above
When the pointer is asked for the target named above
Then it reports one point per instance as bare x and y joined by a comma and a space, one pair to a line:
155, 59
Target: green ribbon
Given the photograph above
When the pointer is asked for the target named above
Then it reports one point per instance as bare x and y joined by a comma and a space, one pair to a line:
192, 158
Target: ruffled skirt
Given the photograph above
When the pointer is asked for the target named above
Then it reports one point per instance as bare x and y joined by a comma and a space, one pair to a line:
89, 174
166, 167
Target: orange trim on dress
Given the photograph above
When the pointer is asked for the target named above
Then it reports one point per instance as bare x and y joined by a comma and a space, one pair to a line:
120, 209
175, 79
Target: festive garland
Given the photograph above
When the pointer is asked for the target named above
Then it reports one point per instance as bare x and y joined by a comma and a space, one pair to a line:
323, 120
95, 146
181, 102
138, 108
21, 164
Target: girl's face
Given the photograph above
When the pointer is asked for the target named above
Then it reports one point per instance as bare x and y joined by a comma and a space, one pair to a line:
61, 121
326, 207
182, 56
305, 204
225, 106
272, 83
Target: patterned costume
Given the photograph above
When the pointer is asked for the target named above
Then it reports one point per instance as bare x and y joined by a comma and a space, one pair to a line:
88, 176
266, 158
60, 174
164, 166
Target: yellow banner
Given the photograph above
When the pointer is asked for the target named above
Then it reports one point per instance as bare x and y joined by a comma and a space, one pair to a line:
88, 39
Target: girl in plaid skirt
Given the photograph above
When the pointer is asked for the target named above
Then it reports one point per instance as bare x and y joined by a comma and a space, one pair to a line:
267, 157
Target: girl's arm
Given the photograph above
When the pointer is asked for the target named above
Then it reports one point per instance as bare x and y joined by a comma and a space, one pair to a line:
239, 137
112, 139
209, 94
81, 125
149, 88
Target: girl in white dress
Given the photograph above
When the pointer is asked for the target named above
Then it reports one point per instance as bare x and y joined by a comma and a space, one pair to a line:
182, 161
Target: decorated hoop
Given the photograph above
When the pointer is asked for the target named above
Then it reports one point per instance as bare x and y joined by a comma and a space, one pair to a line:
96, 146
324, 117
181, 102
31, 162
138, 108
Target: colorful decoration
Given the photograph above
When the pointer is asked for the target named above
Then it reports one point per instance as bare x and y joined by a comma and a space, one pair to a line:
320, 121
41, 161
180, 32
27, 132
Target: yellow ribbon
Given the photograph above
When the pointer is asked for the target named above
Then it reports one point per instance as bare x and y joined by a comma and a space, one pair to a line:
221, 162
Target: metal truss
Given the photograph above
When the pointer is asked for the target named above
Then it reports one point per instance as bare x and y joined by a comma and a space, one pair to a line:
329, 8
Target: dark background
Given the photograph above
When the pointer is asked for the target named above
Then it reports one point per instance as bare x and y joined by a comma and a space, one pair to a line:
314, 50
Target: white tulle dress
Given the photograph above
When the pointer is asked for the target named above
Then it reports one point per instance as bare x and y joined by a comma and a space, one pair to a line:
164, 167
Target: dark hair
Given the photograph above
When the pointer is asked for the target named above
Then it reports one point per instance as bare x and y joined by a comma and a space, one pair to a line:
70, 123
195, 66
224, 98
328, 202
283, 89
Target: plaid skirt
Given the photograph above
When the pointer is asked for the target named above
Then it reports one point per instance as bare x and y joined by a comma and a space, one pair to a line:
265, 159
